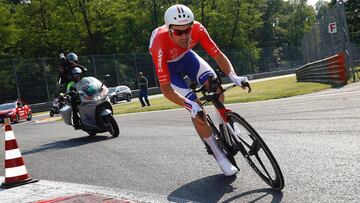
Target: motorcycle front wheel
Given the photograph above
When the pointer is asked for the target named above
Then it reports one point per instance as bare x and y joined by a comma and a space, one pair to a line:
112, 126
52, 113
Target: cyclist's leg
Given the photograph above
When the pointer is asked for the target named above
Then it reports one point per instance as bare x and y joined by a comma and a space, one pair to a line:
203, 73
197, 69
189, 64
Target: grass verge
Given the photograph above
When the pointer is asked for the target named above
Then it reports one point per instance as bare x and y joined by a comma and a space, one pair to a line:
265, 90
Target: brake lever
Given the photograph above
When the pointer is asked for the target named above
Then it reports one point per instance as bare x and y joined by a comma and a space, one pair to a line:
246, 85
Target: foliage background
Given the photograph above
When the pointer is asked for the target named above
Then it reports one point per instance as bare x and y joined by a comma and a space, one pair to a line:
112, 36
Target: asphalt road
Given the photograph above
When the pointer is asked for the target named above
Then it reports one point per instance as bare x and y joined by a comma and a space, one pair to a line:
315, 139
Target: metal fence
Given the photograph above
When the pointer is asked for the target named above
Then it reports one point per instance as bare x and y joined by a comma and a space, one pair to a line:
35, 80
328, 37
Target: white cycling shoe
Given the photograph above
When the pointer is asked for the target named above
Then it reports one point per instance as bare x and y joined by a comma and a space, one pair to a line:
227, 168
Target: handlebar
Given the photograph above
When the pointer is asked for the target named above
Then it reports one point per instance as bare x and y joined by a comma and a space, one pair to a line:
246, 85
209, 95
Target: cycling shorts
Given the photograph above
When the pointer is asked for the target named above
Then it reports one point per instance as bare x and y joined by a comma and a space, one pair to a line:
193, 66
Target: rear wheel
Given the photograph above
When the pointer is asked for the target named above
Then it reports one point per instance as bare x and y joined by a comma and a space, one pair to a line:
128, 98
255, 151
115, 100
112, 126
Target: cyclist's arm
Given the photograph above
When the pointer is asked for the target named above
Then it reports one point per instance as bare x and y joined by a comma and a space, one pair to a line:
171, 94
213, 50
224, 63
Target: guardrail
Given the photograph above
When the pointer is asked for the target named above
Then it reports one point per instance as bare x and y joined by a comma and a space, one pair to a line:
329, 70
46, 106
357, 63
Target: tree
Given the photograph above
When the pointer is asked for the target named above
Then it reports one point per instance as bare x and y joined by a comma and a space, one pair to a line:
321, 7
353, 18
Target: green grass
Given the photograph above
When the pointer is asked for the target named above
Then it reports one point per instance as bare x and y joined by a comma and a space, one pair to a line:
271, 89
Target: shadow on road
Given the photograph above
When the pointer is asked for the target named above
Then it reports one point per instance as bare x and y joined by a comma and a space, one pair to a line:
63, 144
277, 195
211, 189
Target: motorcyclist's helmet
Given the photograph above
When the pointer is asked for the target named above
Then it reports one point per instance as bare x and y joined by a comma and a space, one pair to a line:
178, 14
61, 94
76, 72
72, 57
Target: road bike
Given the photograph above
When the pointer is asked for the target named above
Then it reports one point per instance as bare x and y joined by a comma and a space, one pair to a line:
234, 134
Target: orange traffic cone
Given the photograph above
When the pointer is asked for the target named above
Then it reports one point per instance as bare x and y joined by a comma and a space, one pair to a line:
15, 170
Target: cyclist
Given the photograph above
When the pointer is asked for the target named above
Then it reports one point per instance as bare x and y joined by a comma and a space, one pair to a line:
171, 49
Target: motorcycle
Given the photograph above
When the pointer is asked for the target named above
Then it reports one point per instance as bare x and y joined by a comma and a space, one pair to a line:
95, 109
56, 106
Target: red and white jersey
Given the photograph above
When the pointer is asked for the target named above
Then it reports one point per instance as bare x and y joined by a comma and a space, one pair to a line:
164, 50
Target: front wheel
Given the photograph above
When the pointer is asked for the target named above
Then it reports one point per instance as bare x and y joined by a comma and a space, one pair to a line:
91, 133
255, 151
52, 113
111, 125
16, 120
29, 117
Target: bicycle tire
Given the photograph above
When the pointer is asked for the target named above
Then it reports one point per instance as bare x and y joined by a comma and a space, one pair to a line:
252, 152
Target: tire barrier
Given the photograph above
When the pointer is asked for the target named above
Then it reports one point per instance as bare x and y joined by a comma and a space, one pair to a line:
329, 70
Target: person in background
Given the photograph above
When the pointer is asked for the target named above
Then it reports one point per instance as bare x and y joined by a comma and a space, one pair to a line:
143, 86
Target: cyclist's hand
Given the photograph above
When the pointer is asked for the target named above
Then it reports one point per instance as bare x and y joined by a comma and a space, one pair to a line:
193, 107
237, 80
246, 85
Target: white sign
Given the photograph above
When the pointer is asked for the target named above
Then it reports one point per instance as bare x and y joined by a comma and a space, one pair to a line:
332, 28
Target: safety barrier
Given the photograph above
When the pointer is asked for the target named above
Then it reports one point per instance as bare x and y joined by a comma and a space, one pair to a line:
329, 70
46, 106
357, 63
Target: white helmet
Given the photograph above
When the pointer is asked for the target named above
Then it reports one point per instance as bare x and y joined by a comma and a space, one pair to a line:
178, 15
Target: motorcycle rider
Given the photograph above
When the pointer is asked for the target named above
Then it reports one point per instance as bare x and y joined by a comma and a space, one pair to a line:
66, 65
76, 74
89, 86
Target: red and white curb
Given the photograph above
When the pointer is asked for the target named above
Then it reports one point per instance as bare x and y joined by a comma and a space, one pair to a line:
51, 191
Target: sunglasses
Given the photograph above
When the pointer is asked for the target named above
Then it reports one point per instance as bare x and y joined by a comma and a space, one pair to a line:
181, 32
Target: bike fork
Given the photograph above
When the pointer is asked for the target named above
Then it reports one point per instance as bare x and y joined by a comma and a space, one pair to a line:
224, 125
